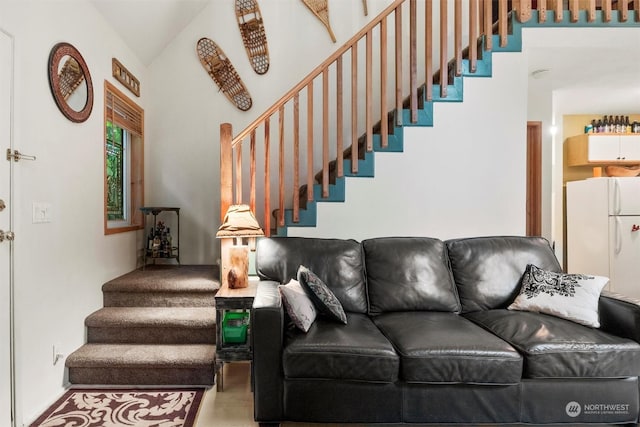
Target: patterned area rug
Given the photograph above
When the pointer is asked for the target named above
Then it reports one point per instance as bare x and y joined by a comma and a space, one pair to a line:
117, 407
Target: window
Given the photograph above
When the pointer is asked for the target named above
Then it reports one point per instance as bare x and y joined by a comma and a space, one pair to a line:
123, 162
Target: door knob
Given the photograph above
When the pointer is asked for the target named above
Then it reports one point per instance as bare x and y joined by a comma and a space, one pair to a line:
2, 205
6, 235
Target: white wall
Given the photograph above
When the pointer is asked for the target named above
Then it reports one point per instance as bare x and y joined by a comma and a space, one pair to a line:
59, 266
465, 176
186, 107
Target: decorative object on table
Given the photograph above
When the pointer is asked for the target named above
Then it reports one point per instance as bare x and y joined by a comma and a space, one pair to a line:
70, 82
235, 326
223, 73
125, 77
239, 222
132, 407
253, 35
366, 9
320, 9
622, 171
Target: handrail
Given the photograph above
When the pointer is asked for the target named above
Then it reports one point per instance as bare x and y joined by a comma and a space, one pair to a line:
316, 72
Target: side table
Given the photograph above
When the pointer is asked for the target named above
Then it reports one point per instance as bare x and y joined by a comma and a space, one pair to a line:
227, 300
173, 248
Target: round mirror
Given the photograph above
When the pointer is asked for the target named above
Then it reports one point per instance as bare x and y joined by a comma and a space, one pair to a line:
70, 82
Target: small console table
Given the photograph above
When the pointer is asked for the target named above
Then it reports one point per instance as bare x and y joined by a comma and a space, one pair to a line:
173, 252
233, 300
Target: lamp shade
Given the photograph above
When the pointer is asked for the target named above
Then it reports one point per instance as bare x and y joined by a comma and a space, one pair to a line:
239, 221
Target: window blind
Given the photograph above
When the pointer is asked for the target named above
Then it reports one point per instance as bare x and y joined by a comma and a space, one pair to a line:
122, 112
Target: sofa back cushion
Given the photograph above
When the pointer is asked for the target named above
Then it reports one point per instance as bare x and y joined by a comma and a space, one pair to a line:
409, 274
338, 263
488, 270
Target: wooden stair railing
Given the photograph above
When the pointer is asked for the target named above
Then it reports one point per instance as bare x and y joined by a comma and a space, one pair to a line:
304, 114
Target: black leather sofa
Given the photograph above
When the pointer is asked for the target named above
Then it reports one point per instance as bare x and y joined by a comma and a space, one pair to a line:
429, 339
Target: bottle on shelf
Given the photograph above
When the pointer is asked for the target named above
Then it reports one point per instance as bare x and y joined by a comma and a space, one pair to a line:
150, 239
627, 125
169, 243
616, 127
600, 126
605, 125
164, 245
612, 124
155, 252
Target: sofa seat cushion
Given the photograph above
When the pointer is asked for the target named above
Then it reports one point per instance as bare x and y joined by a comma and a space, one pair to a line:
557, 348
330, 350
438, 347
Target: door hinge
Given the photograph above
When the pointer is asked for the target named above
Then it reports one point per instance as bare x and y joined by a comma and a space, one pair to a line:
15, 155
7, 235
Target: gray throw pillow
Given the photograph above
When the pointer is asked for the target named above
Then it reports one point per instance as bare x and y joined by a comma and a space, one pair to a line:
324, 300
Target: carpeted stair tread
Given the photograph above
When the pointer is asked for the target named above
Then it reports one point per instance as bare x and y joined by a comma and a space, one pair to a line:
167, 278
152, 317
141, 355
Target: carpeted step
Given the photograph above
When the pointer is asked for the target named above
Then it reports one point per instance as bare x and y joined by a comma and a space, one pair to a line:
152, 325
164, 286
140, 364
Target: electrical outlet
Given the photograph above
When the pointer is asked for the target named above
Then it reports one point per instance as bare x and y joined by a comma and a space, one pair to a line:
57, 354
41, 212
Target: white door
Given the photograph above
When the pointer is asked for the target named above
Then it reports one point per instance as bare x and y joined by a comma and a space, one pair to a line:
624, 196
624, 255
6, 67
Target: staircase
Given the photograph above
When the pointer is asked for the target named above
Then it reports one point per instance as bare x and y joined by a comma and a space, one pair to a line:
157, 327
290, 197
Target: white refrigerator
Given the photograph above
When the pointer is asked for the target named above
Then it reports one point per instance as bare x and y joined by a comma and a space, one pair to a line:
603, 231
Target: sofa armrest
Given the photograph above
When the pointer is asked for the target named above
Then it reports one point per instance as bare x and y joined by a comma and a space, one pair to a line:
267, 324
620, 315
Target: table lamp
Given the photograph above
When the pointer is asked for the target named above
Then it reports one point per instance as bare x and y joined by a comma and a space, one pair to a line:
239, 222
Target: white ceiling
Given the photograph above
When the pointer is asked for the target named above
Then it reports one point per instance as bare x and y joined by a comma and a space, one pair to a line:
147, 26
586, 63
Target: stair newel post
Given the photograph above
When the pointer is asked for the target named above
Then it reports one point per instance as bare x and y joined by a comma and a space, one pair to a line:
281, 166
226, 193
226, 169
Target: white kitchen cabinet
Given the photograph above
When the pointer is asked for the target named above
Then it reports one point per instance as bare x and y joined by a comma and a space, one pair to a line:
605, 149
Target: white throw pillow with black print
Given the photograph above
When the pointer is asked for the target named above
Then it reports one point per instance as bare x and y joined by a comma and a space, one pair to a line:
569, 296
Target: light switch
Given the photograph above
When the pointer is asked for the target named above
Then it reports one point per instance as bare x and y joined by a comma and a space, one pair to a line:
41, 212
